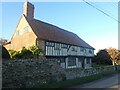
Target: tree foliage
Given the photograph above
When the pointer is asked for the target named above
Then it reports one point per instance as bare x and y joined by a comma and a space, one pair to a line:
102, 57
31, 52
114, 55
14, 54
36, 51
107, 56
25, 53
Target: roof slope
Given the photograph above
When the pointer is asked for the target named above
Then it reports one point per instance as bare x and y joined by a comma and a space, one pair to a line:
50, 32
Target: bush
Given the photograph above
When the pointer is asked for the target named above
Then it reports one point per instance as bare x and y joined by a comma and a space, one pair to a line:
14, 54
36, 51
31, 52
25, 53
102, 57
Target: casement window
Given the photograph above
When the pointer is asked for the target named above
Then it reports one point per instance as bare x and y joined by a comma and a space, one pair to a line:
80, 59
64, 46
88, 61
57, 46
81, 49
50, 44
26, 29
90, 51
18, 33
71, 61
74, 49
46, 43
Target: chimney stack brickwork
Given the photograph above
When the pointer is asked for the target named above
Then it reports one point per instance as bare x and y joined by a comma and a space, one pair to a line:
28, 10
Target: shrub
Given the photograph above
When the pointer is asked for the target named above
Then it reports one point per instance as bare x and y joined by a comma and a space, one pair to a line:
14, 54
31, 52
25, 53
36, 51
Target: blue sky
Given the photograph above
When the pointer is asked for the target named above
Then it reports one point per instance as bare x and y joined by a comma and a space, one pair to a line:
97, 29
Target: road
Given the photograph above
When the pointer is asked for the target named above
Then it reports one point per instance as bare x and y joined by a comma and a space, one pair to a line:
106, 82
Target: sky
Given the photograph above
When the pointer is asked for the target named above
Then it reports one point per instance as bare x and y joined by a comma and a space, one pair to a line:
94, 27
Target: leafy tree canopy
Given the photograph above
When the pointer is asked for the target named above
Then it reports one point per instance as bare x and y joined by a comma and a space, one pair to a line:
107, 56
31, 52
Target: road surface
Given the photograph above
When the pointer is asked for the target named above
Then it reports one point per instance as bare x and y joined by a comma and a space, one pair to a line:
106, 82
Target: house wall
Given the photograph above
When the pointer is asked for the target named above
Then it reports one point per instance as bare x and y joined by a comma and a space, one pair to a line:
87, 65
75, 56
40, 44
61, 49
7, 46
22, 37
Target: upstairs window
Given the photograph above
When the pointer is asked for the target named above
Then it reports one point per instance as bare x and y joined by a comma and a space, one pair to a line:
74, 49
64, 46
26, 29
18, 33
82, 49
90, 51
57, 46
50, 44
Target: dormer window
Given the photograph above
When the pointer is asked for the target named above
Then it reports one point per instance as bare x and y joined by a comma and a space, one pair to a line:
26, 29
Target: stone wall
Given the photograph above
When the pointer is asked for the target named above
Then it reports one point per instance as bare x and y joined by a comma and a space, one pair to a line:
30, 73
78, 72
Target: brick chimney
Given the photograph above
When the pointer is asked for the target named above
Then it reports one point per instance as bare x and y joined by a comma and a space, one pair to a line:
28, 10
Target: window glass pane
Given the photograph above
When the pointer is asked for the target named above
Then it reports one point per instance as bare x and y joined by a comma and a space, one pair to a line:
82, 49
88, 60
26, 29
71, 61
90, 51
17, 33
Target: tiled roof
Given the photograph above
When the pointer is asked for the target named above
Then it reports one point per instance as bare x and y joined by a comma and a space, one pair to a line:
50, 32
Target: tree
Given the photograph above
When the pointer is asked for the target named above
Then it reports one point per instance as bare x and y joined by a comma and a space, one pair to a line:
25, 53
102, 57
114, 55
36, 51
14, 54
32, 52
